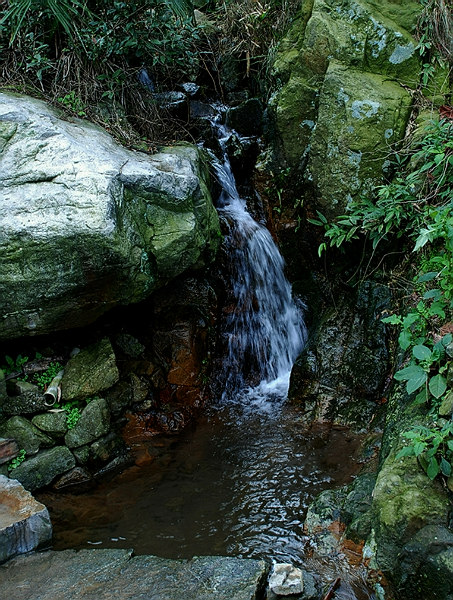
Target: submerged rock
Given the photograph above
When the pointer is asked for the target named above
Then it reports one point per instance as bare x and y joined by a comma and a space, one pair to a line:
87, 224
24, 522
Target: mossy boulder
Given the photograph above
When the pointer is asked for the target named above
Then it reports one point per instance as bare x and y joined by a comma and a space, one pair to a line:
87, 224
341, 103
52, 423
360, 116
90, 372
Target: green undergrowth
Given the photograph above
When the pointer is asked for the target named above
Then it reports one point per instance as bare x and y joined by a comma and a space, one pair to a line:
416, 208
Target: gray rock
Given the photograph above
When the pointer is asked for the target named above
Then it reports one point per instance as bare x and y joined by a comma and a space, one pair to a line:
105, 574
53, 423
27, 404
286, 580
24, 522
94, 422
40, 470
87, 224
27, 436
90, 372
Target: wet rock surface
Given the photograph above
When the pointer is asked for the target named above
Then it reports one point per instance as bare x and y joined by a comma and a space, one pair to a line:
105, 574
90, 223
24, 522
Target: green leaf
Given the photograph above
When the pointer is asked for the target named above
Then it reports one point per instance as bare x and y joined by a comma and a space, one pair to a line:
427, 276
406, 451
433, 468
437, 385
419, 448
450, 445
445, 467
410, 372
392, 320
421, 397
416, 382
421, 352
447, 339
405, 339
432, 294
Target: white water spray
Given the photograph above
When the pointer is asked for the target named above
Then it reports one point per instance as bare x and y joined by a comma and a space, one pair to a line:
265, 328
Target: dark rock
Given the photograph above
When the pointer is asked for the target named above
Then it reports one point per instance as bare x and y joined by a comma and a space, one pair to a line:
8, 450
24, 522
82, 454
27, 436
103, 574
53, 423
3, 393
247, 118
140, 388
40, 470
90, 372
175, 103
77, 478
94, 422
424, 570
119, 397
242, 153
106, 448
114, 466
28, 403
342, 371
129, 345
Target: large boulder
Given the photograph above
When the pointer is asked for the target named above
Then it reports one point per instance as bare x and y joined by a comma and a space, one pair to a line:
342, 102
86, 224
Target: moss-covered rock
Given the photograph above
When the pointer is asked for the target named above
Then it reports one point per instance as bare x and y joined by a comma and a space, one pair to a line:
87, 224
27, 436
340, 105
52, 423
40, 470
94, 422
90, 372
360, 116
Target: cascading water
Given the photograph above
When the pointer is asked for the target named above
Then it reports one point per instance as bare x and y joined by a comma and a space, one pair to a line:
264, 328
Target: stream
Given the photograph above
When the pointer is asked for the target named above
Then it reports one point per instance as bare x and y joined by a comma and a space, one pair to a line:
239, 481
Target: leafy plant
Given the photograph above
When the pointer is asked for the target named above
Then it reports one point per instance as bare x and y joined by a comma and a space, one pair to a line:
433, 447
73, 103
42, 380
15, 462
73, 415
14, 365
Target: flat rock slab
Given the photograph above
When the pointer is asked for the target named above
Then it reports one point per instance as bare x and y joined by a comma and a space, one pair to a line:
106, 574
24, 522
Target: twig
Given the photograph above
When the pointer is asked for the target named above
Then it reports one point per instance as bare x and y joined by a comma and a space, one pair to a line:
331, 592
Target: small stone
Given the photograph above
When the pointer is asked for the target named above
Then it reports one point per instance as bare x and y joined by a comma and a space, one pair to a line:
53, 423
76, 477
286, 580
130, 345
90, 372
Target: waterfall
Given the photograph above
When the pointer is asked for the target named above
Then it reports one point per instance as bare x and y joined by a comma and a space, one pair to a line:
263, 327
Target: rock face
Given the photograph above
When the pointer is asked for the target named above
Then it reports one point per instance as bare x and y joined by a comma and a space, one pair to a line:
104, 574
340, 106
86, 224
344, 366
24, 522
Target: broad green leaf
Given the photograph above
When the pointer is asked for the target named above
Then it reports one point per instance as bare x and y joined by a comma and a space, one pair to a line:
406, 451
416, 382
392, 320
427, 276
432, 294
445, 467
421, 397
421, 352
450, 445
433, 468
419, 447
410, 372
437, 385
405, 339
447, 339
